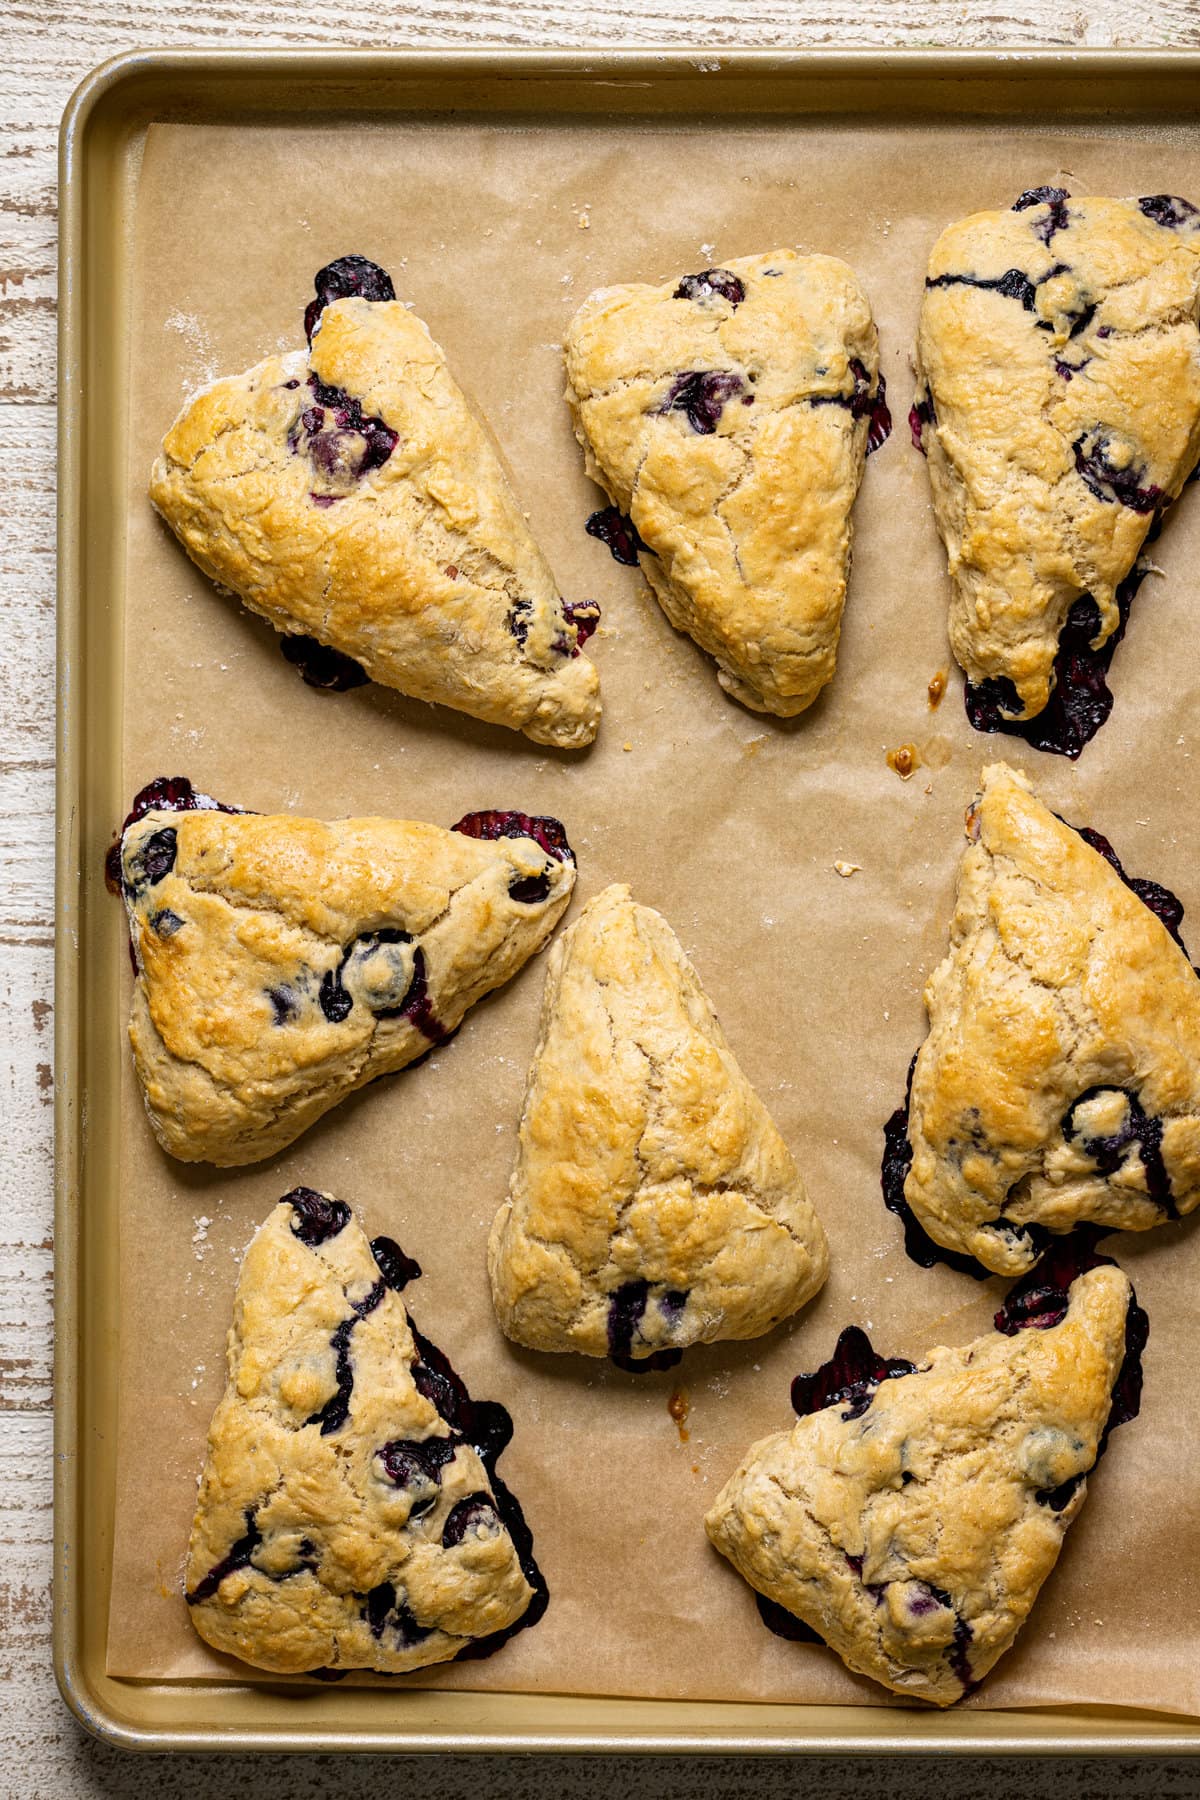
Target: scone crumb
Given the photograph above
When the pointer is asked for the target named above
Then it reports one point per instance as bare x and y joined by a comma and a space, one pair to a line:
846, 868
627, 745
585, 220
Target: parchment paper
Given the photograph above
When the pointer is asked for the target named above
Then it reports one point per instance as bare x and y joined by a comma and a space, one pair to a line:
728, 822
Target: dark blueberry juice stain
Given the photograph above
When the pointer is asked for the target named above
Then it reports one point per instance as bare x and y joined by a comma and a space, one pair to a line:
879, 429
322, 667
335, 1002
919, 1247
396, 1268
1166, 906
1117, 484
584, 615
786, 1624
315, 1217
1080, 700
852, 1375
518, 621
701, 394
1040, 1300
1168, 210
920, 415
494, 824
166, 793
1108, 1153
487, 1427
341, 441
1057, 216
618, 531
342, 280
466, 1515
626, 1306
722, 282
238, 1557
862, 403
1014, 284
483, 1424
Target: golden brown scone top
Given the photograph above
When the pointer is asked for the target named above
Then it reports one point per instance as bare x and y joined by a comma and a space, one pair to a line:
733, 431
913, 1533
1058, 384
283, 962
653, 1204
1060, 1080
420, 566
342, 1521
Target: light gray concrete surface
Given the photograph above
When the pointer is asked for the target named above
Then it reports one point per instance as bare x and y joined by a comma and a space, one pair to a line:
46, 46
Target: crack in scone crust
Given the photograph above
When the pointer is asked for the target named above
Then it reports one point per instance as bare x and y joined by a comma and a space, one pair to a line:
1060, 1080
653, 1203
282, 962
912, 1522
728, 417
353, 495
349, 1516
1058, 403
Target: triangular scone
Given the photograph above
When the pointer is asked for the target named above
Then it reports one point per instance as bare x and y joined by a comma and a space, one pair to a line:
282, 962
728, 415
653, 1204
349, 1516
1058, 404
911, 1521
1060, 1080
353, 495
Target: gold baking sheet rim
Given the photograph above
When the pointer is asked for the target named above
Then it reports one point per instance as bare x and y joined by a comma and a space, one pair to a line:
102, 138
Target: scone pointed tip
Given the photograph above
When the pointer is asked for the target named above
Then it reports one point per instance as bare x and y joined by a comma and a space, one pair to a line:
653, 1204
912, 1514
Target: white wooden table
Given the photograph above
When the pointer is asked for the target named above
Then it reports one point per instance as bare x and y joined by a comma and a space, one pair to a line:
46, 46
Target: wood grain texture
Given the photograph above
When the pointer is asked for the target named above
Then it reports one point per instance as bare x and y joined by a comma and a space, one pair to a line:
47, 47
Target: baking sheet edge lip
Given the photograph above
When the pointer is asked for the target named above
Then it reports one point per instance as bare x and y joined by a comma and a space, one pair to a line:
648, 60
69, 1668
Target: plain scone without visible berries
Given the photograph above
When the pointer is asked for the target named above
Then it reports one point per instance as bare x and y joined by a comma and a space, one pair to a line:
344, 1521
282, 962
1058, 404
728, 415
912, 1519
653, 1203
1060, 1080
353, 495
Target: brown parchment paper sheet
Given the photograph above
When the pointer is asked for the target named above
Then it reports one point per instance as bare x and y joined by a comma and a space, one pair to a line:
728, 822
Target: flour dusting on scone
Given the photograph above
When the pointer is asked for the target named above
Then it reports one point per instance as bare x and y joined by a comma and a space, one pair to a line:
349, 1513
911, 1516
728, 417
1058, 403
653, 1204
352, 495
1060, 1080
281, 962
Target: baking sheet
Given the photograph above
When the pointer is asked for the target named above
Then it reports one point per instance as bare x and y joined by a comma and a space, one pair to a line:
728, 822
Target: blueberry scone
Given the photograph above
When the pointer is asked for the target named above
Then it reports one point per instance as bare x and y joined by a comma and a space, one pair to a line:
349, 1513
1060, 1080
911, 1515
653, 1204
281, 962
728, 416
352, 496
1058, 404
